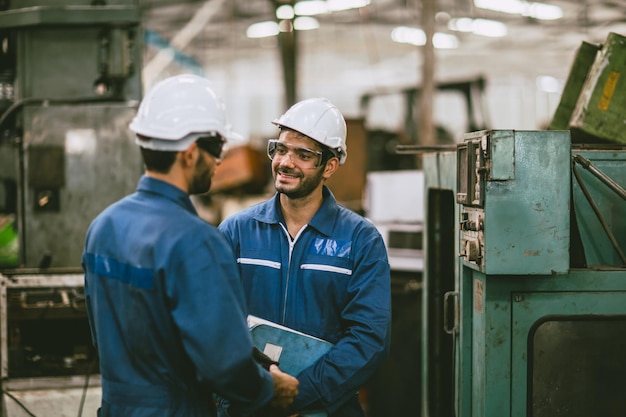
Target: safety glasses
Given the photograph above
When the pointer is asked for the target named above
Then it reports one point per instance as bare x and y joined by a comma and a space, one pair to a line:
303, 157
214, 145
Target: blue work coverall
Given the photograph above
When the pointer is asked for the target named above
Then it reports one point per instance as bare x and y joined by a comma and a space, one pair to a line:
332, 281
166, 310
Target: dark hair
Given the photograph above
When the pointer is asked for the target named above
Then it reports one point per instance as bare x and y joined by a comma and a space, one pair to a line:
158, 161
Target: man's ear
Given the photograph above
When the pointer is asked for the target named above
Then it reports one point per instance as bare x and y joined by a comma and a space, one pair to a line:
331, 166
190, 155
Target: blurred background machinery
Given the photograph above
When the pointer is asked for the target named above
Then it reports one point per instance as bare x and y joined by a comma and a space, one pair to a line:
70, 82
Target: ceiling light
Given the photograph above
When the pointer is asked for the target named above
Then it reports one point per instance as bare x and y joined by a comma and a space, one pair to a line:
310, 7
548, 84
305, 23
445, 41
540, 11
262, 30
284, 12
337, 5
504, 6
414, 36
270, 28
483, 27
463, 24
543, 11
403, 34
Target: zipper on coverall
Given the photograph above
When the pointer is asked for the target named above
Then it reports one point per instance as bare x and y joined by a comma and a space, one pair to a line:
292, 243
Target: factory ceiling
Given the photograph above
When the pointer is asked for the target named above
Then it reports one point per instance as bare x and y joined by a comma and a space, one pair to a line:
207, 33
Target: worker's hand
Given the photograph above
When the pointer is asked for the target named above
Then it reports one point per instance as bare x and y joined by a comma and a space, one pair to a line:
285, 388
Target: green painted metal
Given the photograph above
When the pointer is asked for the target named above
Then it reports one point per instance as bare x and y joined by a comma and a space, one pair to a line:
520, 224
585, 56
510, 314
600, 108
511, 309
598, 249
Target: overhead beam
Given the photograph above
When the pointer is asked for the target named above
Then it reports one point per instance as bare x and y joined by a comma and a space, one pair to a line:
426, 135
196, 24
288, 44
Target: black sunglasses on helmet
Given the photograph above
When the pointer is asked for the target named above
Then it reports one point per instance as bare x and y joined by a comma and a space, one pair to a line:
214, 145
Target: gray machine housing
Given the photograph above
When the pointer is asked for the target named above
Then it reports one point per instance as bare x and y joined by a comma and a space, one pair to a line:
71, 83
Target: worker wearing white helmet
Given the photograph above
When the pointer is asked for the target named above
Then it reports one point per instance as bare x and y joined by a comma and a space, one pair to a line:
177, 111
320, 120
163, 296
310, 264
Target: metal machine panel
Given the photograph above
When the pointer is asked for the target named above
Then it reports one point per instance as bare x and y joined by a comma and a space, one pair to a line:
105, 49
522, 342
77, 161
567, 345
599, 209
70, 82
440, 290
48, 363
585, 56
521, 362
41, 47
599, 111
515, 214
73, 70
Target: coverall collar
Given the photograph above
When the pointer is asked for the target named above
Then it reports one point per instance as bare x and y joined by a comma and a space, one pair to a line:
323, 220
155, 186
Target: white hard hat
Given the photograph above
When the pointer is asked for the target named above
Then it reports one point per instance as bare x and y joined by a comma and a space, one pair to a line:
320, 120
179, 110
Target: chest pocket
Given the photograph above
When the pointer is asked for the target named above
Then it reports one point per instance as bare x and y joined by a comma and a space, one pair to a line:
331, 247
328, 255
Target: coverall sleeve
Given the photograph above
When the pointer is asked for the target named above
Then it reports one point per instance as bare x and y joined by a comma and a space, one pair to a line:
366, 320
208, 308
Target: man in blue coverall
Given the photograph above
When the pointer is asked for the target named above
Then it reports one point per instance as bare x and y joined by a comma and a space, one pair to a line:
164, 300
312, 265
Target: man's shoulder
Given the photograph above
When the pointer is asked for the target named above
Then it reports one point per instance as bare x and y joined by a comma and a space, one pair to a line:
252, 212
353, 218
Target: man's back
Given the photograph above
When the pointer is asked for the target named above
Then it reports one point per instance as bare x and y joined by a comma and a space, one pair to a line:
166, 320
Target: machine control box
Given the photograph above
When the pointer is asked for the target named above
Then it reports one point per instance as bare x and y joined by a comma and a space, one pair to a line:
44, 328
514, 187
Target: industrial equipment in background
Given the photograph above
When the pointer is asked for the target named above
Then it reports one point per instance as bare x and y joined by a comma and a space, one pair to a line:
382, 141
525, 275
70, 82
393, 202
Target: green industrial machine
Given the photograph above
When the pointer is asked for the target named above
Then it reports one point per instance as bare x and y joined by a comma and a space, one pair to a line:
70, 83
525, 278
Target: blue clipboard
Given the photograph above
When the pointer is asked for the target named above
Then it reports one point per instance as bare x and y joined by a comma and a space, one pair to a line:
293, 350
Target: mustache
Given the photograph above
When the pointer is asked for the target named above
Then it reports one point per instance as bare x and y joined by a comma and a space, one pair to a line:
288, 171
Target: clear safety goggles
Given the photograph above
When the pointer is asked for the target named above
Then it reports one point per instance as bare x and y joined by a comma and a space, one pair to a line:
302, 157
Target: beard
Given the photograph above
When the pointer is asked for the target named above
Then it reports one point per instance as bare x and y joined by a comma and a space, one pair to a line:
306, 186
201, 181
